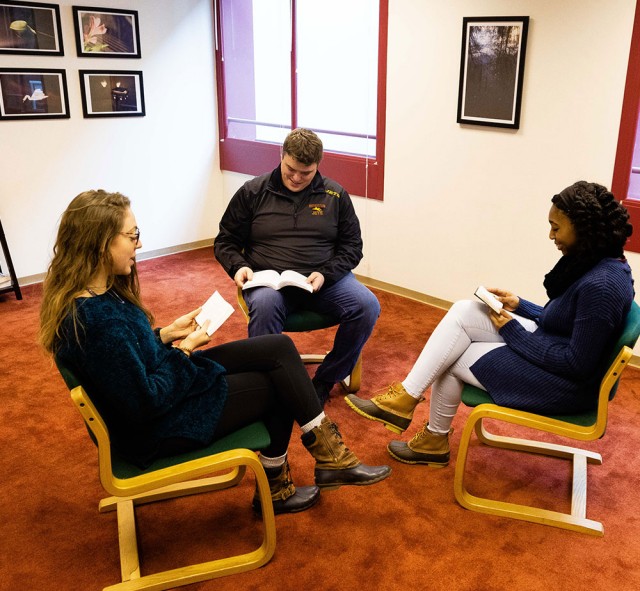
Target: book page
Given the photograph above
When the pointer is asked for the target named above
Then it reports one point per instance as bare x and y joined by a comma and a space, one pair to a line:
296, 279
275, 280
268, 278
488, 298
217, 310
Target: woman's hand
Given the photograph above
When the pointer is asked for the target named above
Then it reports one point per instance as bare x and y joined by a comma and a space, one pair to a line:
197, 338
180, 328
509, 300
499, 320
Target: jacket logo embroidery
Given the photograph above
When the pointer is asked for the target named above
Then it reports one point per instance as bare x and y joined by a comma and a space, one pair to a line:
334, 193
316, 208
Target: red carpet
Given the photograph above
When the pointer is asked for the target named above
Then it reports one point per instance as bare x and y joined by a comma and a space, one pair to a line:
405, 533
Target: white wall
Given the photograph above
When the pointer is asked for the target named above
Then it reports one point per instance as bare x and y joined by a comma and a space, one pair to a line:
166, 162
467, 204
463, 204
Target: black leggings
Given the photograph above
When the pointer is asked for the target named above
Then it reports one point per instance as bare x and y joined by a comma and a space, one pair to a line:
268, 382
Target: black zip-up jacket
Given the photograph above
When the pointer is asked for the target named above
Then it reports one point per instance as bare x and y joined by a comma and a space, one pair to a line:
267, 227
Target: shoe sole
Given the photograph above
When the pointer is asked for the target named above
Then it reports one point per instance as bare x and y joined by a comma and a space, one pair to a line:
258, 508
424, 462
335, 485
394, 428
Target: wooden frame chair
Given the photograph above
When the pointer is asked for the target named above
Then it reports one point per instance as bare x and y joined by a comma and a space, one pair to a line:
308, 320
173, 477
583, 427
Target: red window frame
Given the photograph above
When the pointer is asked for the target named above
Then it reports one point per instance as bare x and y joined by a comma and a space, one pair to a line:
359, 175
627, 136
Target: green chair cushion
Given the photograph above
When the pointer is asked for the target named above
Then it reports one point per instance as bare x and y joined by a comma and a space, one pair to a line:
254, 436
303, 320
472, 396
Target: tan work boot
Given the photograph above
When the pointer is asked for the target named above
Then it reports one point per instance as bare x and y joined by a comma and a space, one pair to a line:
394, 407
425, 447
336, 464
285, 496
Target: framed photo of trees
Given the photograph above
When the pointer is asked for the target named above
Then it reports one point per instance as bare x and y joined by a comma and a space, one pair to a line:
492, 70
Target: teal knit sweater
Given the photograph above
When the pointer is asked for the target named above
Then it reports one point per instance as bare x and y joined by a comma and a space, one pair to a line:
145, 391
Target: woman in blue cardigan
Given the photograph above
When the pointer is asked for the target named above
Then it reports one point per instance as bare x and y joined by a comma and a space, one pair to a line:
529, 357
157, 395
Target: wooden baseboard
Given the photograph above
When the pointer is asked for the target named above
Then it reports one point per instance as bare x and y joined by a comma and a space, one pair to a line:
368, 281
142, 256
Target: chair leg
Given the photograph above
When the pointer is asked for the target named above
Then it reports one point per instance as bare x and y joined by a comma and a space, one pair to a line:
131, 577
351, 383
129, 561
575, 521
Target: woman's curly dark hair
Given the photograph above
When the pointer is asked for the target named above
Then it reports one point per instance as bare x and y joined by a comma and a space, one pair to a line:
600, 222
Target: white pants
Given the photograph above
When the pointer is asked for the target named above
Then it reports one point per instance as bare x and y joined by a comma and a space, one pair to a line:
464, 335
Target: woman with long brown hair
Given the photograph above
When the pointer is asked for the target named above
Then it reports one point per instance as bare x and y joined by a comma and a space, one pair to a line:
160, 399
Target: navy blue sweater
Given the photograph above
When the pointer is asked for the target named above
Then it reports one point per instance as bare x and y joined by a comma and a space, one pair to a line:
556, 368
145, 391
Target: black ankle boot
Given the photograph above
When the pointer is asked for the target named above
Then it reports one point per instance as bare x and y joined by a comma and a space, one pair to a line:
285, 496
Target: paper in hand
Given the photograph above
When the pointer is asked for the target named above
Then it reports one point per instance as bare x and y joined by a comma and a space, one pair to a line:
488, 298
217, 310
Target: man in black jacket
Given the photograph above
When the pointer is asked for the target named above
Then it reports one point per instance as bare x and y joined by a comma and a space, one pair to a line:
295, 219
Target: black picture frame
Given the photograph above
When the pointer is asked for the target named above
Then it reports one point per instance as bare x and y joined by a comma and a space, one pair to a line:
492, 70
33, 93
30, 28
106, 32
112, 93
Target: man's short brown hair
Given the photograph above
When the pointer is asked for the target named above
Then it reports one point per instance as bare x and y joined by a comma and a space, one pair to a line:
303, 145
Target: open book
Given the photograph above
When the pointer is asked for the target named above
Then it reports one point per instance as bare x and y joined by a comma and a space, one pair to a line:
217, 310
488, 298
277, 280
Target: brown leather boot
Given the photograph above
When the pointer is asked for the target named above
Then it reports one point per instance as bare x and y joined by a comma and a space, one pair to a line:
336, 464
394, 407
285, 496
425, 447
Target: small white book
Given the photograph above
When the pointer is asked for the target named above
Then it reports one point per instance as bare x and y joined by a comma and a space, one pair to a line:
277, 280
488, 298
217, 310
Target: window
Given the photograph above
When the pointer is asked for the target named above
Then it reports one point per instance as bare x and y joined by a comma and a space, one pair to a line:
626, 173
283, 64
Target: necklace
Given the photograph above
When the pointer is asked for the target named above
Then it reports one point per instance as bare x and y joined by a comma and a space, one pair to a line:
113, 294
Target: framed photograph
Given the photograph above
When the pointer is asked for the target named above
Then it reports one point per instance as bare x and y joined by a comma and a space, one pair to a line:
112, 93
491, 70
106, 32
33, 94
30, 28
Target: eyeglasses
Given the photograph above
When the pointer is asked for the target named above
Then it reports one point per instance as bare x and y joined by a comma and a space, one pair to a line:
134, 236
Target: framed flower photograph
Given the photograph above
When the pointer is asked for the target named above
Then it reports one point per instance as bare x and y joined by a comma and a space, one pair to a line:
491, 70
30, 28
112, 93
106, 32
29, 93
